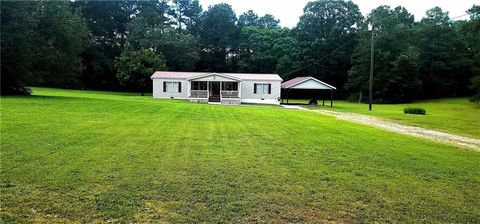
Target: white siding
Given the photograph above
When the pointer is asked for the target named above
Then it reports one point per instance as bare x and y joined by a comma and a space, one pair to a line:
158, 89
246, 90
247, 95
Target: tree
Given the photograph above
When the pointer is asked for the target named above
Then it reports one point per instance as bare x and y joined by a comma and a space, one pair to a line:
395, 77
322, 30
41, 45
17, 48
61, 37
250, 18
402, 83
475, 85
107, 21
151, 20
157, 14
268, 21
181, 49
219, 35
134, 68
470, 31
187, 13
445, 68
268, 50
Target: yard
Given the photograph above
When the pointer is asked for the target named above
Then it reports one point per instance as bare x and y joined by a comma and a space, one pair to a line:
454, 115
85, 156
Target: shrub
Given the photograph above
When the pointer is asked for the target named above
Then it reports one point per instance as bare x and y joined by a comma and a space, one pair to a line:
410, 110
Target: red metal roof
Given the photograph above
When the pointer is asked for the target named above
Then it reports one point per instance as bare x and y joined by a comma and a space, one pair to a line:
241, 76
295, 81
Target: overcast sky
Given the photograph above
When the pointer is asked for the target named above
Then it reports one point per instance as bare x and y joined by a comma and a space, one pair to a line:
289, 11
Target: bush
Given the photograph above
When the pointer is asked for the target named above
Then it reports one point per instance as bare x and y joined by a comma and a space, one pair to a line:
410, 110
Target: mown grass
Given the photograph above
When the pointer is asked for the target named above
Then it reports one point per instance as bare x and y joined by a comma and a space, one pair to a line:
454, 115
81, 156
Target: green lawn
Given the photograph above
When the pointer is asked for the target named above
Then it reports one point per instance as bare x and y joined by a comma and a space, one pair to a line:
454, 115
80, 156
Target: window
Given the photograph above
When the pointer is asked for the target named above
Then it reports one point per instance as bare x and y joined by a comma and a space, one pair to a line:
172, 87
262, 88
230, 86
199, 85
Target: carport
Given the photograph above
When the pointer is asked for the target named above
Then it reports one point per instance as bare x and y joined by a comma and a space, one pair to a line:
307, 83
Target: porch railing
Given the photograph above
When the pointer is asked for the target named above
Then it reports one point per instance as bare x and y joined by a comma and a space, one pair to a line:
199, 94
229, 94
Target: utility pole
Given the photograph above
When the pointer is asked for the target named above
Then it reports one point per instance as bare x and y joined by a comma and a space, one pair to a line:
370, 85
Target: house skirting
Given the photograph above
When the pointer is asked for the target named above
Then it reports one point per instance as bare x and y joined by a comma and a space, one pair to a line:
226, 101
261, 101
230, 101
198, 100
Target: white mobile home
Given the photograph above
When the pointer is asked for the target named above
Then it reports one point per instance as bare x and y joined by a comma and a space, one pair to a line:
225, 88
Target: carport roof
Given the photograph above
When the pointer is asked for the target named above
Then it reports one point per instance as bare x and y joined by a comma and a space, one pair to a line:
298, 80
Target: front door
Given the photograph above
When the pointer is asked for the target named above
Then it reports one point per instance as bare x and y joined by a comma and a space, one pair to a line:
215, 89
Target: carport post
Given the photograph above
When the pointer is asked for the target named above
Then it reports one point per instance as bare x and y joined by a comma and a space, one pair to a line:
287, 95
323, 99
281, 95
331, 98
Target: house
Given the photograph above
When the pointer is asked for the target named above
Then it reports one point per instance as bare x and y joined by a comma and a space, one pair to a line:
224, 88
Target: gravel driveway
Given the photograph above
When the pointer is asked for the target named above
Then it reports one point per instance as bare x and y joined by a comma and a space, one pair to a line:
392, 126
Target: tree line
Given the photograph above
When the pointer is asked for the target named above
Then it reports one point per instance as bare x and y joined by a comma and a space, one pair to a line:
117, 45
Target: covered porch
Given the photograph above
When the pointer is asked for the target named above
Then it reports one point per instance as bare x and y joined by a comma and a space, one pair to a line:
215, 88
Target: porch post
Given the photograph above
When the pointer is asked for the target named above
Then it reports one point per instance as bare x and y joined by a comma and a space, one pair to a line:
208, 90
221, 86
239, 89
